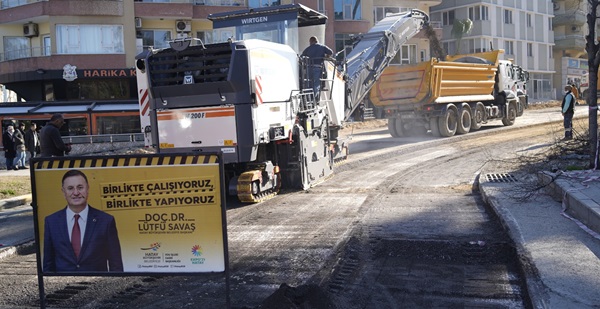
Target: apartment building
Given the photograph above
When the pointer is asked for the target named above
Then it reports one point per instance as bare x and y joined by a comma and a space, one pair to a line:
570, 28
522, 28
82, 52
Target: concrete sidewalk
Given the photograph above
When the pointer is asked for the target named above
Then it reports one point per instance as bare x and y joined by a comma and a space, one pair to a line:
18, 200
15, 235
553, 234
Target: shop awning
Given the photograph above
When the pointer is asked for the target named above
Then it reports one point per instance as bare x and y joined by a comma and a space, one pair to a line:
29, 108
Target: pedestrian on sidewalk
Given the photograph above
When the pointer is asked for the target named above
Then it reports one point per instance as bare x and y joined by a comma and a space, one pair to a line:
9, 147
32, 140
21, 155
51, 143
568, 109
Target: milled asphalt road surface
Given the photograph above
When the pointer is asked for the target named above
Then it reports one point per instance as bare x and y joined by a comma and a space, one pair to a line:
557, 238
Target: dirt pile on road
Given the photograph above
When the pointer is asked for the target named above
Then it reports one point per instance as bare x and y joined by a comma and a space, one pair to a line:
305, 296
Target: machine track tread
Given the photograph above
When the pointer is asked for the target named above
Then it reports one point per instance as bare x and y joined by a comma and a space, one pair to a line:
255, 198
244, 188
340, 161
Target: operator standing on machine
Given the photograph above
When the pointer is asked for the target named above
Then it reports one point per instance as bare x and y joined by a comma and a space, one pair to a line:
316, 52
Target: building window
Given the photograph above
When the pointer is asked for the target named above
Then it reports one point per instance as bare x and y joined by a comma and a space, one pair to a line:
406, 55
448, 18
477, 45
550, 52
347, 9
46, 45
450, 47
508, 17
321, 6
98, 89
529, 20
478, 12
550, 23
16, 48
156, 38
118, 124
74, 126
436, 17
529, 49
89, 39
260, 3
344, 42
205, 36
508, 47
381, 12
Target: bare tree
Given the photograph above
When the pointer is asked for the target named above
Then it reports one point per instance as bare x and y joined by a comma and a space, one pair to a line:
592, 48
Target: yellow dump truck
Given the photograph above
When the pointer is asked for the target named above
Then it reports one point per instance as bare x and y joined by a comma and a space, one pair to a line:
450, 97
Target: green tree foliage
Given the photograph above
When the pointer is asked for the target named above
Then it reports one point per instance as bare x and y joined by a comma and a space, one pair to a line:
459, 29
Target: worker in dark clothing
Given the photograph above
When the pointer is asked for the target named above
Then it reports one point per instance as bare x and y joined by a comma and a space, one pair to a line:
316, 53
19, 140
9, 147
361, 111
51, 143
568, 109
32, 140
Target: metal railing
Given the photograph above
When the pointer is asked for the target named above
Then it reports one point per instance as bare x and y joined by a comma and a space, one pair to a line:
436, 24
201, 2
104, 138
369, 114
24, 53
7, 4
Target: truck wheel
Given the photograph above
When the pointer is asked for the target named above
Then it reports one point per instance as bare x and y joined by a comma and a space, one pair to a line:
395, 127
478, 116
448, 122
464, 121
434, 127
511, 114
521, 106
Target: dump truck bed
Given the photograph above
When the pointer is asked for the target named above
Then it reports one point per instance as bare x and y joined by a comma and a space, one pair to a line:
462, 78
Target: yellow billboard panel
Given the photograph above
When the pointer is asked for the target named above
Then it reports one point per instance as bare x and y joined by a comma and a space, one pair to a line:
161, 213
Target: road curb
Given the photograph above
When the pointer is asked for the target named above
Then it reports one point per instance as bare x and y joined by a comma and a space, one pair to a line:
6, 252
15, 201
574, 197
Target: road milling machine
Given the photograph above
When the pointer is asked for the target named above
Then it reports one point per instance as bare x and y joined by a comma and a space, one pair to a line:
251, 99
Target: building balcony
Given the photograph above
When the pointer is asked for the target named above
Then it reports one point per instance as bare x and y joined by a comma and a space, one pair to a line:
185, 9
19, 10
36, 61
7, 4
199, 2
572, 17
569, 42
351, 26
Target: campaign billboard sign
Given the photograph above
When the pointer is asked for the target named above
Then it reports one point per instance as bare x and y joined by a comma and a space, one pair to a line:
129, 214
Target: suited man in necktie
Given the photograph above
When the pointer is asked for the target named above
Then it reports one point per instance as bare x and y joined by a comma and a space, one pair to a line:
80, 237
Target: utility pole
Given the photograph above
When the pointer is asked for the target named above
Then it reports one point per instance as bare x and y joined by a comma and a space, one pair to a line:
593, 50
